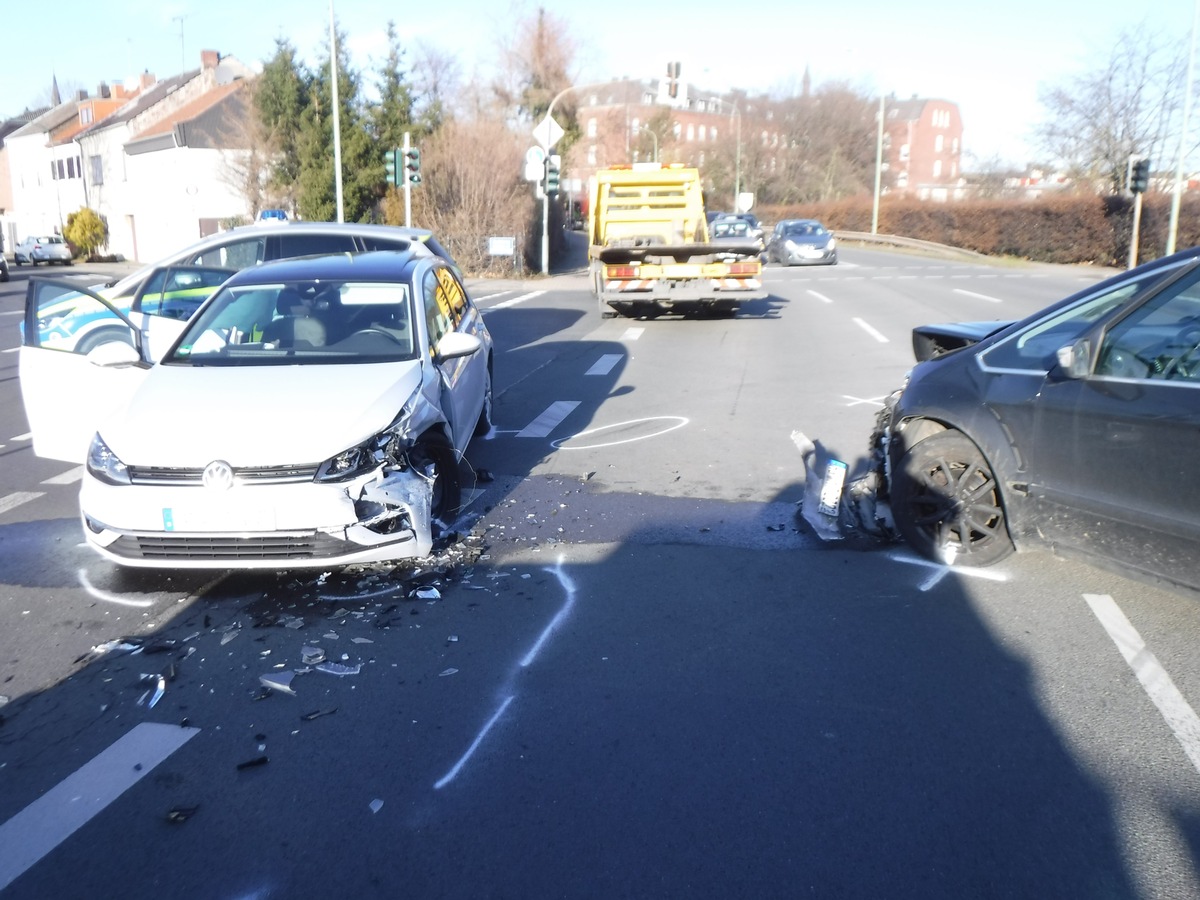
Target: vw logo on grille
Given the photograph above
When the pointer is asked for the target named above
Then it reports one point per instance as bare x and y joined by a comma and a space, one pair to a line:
218, 475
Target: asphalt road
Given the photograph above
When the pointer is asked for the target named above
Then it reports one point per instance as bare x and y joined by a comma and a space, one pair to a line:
642, 675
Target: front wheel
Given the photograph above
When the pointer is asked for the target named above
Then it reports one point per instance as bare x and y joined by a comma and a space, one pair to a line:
946, 502
434, 456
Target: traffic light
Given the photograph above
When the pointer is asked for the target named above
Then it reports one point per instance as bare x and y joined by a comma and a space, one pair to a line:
390, 160
552, 176
412, 165
673, 78
1139, 180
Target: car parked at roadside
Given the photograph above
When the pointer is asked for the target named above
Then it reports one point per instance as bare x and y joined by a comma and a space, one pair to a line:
311, 413
800, 242
1074, 428
48, 248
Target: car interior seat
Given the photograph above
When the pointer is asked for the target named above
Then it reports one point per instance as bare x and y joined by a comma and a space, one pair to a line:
296, 325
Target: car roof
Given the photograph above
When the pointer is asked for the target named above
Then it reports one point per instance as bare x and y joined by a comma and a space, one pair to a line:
377, 265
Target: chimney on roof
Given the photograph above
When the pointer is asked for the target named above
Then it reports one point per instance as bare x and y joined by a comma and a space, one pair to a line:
81, 95
209, 59
146, 80
102, 90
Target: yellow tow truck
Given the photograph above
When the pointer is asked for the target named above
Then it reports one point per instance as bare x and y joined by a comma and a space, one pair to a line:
649, 250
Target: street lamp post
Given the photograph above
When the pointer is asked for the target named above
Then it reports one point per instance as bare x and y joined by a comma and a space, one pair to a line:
878, 170
737, 157
1177, 194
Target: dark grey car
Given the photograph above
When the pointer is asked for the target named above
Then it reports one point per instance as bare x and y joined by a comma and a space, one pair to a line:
1074, 428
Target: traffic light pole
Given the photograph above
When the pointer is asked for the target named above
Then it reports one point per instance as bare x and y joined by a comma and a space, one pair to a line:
407, 185
1137, 227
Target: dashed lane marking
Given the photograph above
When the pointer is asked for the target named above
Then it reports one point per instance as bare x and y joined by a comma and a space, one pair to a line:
12, 501
1177, 712
821, 297
632, 334
548, 420
505, 304
44, 824
68, 477
978, 296
869, 330
605, 364
479, 300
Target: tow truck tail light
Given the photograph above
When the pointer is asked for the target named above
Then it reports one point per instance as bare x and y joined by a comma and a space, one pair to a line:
743, 269
620, 272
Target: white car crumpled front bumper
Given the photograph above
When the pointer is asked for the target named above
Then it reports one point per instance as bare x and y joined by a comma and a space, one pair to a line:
377, 517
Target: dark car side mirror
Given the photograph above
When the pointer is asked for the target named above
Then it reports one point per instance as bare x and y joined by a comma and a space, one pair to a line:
1075, 359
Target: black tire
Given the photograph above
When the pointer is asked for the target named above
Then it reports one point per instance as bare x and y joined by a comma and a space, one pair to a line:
434, 456
946, 502
484, 425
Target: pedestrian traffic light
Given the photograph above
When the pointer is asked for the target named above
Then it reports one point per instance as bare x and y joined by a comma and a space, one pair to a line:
390, 160
552, 176
1139, 180
412, 165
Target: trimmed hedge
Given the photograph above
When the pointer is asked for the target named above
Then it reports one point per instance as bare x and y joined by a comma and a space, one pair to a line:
1064, 229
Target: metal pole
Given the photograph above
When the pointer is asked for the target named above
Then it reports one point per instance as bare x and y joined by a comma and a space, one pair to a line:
337, 129
1177, 195
737, 159
1137, 227
878, 170
403, 168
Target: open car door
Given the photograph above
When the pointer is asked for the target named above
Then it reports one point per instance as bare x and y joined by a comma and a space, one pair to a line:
81, 358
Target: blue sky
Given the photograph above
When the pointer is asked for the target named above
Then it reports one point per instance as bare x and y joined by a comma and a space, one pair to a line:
989, 58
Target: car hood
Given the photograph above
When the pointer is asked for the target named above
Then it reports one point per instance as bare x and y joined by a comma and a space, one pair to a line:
184, 416
934, 340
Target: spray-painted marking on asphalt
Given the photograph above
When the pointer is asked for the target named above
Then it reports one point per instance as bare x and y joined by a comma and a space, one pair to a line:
978, 296
605, 364
869, 330
1177, 712
549, 420
12, 501
56, 815
68, 477
632, 334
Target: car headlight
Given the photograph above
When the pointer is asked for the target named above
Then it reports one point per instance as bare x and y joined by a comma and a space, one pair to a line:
105, 465
386, 447
832, 243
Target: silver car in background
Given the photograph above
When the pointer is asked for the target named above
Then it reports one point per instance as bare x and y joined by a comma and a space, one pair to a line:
799, 242
48, 248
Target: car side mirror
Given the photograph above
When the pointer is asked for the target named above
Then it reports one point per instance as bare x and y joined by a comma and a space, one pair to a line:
1075, 360
456, 344
114, 354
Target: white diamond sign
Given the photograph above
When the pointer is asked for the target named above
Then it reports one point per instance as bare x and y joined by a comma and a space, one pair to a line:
547, 132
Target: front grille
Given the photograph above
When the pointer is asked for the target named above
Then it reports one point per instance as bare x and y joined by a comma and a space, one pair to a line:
228, 547
161, 475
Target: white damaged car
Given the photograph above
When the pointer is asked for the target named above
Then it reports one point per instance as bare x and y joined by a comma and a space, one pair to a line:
311, 413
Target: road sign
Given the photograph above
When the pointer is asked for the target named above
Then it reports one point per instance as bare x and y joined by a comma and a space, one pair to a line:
535, 163
547, 132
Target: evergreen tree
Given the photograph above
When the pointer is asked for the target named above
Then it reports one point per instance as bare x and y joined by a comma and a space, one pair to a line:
280, 97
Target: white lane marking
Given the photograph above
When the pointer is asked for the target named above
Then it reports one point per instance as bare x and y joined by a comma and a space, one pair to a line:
820, 297
632, 334
13, 312
68, 477
56, 815
548, 420
1177, 712
27, 436
978, 296
569, 588
11, 349
12, 501
605, 364
479, 300
515, 300
940, 570
869, 330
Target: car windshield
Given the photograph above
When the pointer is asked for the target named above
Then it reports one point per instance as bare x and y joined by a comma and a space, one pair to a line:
730, 229
292, 323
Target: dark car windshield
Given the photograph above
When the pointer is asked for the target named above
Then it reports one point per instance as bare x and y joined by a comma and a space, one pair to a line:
301, 322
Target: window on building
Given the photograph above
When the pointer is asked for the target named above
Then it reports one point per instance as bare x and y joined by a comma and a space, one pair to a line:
71, 167
96, 164
691, 132
712, 134
62, 170
937, 168
591, 128
904, 152
648, 98
677, 130
85, 115
635, 125
703, 133
591, 156
53, 171
938, 143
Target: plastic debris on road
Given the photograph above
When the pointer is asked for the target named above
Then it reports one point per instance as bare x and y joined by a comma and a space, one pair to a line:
826, 526
332, 668
312, 655
376, 805
181, 814
278, 681
445, 672
429, 592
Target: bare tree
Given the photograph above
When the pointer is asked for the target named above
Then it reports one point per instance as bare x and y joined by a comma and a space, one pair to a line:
1128, 104
437, 79
535, 64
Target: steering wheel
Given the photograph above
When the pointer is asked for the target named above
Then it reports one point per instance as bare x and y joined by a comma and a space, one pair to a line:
379, 331
1182, 362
